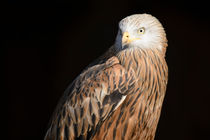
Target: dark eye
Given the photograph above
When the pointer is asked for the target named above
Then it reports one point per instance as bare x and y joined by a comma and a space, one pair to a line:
141, 30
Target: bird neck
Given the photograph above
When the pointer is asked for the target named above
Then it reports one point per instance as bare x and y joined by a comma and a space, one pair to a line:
148, 65
137, 58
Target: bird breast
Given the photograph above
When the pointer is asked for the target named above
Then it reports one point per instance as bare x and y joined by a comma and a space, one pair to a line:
137, 117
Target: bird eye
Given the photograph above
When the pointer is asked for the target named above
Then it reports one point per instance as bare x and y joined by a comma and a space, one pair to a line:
141, 30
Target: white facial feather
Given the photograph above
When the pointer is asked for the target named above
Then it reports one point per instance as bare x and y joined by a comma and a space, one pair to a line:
153, 37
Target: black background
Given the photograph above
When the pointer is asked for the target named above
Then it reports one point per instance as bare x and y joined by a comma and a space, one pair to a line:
47, 44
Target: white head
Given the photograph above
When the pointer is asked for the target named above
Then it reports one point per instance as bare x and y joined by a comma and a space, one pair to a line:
140, 30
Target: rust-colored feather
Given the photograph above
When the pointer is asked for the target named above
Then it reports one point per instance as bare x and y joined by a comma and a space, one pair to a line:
92, 108
138, 116
119, 96
92, 97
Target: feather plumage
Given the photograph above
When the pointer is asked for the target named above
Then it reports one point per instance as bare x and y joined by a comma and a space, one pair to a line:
91, 98
118, 96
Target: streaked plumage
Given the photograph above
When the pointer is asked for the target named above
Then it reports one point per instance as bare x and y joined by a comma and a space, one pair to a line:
120, 95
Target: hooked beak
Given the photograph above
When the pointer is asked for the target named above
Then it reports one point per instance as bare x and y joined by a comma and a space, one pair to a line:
126, 39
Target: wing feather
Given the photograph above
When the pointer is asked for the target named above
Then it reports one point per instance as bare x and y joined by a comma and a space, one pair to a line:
90, 99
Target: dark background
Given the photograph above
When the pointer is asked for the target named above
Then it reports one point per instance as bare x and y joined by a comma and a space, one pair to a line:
47, 44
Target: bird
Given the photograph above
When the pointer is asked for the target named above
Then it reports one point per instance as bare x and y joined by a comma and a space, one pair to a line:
118, 96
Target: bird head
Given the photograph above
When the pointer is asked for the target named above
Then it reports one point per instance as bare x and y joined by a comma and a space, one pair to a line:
140, 30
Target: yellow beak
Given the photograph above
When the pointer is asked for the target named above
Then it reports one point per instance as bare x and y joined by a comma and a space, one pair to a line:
126, 38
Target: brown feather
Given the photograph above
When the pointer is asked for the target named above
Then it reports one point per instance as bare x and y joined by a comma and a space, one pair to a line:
93, 98
142, 113
118, 96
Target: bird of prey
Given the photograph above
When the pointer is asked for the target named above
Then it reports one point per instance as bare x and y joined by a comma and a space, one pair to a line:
119, 96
